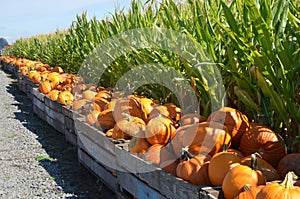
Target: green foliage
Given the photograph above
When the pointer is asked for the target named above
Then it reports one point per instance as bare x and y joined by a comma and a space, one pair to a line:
254, 43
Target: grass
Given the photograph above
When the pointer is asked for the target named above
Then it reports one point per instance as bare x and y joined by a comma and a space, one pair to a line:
44, 158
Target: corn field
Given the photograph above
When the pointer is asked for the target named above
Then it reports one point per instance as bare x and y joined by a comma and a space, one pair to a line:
255, 44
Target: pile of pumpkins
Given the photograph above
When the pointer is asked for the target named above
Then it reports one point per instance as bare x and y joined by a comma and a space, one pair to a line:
52, 81
225, 149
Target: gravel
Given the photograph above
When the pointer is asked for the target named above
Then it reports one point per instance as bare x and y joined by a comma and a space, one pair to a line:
35, 160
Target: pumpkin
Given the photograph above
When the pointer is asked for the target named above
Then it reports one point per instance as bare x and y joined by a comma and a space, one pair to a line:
237, 152
53, 94
146, 106
104, 94
130, 105
109, 132
138, 145
264, 141
289, 162
249, 192
220, 164
80, 106
45, 87
105, 120
91, 118
159, 130
24, 70
79, 88
128, 127
240, 175
269, 172
57, 69
65, 97
162, 157
235, 121
193, 168
284, 190
205, 137
169, 110
100, 102
54, 79
191, 118
89, 95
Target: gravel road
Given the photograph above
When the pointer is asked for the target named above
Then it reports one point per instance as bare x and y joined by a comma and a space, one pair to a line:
35, 160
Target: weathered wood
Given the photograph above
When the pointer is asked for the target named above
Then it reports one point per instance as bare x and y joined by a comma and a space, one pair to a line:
136, 187
109, 178
68, 112
98, 152
167, 184
37, 94
69, 123
39, 104
38, 112
55, 115
54, 105
56, 124
71, 137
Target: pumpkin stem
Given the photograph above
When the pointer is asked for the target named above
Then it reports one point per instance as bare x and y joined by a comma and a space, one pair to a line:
288, 180
224, 148
246, 187
185, 154
129, 117
254, 163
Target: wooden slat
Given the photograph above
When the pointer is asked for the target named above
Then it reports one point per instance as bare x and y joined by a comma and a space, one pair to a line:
71, 137
39, 112
136, 187
57, 125
99, 170
37, 94
54, 105
55, 115
39, 104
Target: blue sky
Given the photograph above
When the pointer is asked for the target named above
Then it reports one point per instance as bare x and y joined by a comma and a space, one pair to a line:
19, 18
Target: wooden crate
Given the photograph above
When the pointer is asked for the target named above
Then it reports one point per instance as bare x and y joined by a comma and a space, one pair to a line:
70, 116
53, 105
166, 184
97, 145
38, 102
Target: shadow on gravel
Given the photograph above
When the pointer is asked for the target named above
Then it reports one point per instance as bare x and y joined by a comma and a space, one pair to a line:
62, 164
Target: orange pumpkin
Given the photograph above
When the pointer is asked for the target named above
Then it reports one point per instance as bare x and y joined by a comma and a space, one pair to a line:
128, 127
169, 110
53, 94
89, 95
57, 69
249, 192
240, 175
235, 121
54, 79
284, 190
264, 141
159, 130
91, 118
65, 97
138, 145
269, 172
191, 118
80, 105
79, 88
146, 106
45, 87
193, 168
130, 105
105, 120
289, 162
205, 137
219, 166
161, 156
